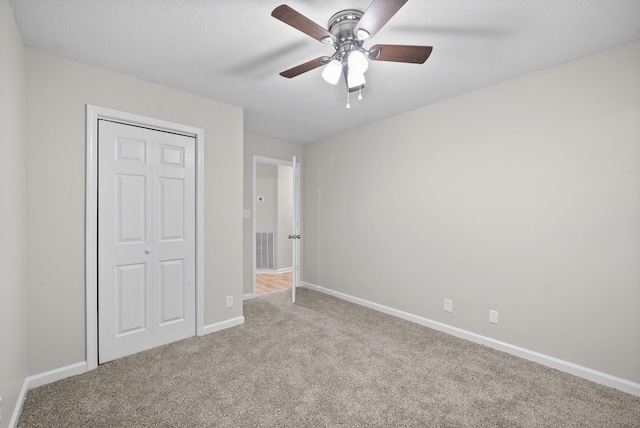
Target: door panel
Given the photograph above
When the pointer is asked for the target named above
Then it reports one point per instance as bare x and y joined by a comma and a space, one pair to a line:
131, 199
146, 236
131, 306
171, 209
174, 240
172, 291
131, 150
172, 156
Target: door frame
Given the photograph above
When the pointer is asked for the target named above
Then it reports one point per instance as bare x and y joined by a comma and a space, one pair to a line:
93, 114
272, 161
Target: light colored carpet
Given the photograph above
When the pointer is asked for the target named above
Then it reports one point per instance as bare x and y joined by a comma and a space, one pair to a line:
325, 362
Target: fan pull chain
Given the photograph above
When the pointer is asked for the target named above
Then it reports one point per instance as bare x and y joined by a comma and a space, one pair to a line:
348, 105
360, 93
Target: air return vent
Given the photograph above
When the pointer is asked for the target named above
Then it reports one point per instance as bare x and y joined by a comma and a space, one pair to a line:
265, 250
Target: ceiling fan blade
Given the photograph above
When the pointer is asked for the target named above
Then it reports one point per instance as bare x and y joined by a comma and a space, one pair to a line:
307, 66
300, 22
400, 53
378, 14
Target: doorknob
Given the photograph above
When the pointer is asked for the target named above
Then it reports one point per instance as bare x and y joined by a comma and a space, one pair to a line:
147, 251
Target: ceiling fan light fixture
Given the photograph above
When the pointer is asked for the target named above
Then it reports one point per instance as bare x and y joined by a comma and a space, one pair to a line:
332, 71
355, 79
357, 62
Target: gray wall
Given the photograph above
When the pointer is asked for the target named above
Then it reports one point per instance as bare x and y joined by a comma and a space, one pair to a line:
259, 145
522, 197
267, 187
57, 91
13, 311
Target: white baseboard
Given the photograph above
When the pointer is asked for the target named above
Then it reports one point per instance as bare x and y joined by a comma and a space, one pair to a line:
546, 360
248, 296
13, 422
222, 325
43, 379
284, 270
57, 374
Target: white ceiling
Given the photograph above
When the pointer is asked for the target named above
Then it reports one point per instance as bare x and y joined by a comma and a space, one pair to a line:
232, 51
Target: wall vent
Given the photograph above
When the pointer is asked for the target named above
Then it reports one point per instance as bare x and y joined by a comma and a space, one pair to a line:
265, 250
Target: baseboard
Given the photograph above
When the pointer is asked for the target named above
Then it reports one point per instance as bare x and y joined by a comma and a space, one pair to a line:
43, 379
284, 270
248, 296
222, 325
57, 374
13, 422
546, 360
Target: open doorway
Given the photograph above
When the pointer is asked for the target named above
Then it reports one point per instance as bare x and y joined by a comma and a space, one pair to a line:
268, 283
273, 224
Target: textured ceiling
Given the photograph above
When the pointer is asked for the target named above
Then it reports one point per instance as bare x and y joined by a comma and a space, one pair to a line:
232, 51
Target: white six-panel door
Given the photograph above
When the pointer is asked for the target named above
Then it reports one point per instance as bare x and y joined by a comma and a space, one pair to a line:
146, 239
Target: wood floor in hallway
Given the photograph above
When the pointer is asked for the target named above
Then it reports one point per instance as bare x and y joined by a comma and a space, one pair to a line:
267, 283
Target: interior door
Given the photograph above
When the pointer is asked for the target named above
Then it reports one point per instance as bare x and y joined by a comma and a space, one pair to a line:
295, 277
146, 238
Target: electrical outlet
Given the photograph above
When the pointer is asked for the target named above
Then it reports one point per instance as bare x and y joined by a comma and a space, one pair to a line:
493, 317
229, 301
448, 305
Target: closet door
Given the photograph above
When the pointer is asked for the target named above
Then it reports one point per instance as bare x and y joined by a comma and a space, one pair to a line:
146, 239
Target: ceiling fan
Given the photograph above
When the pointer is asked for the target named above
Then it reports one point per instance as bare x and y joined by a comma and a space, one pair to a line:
347, 31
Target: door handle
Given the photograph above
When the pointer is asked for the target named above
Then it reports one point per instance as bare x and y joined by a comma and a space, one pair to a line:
147, 251
294, 236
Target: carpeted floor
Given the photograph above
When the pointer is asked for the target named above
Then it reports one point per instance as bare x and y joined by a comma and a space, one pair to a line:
325, 362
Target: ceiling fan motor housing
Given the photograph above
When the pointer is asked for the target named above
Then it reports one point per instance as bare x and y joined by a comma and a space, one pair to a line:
341, 25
